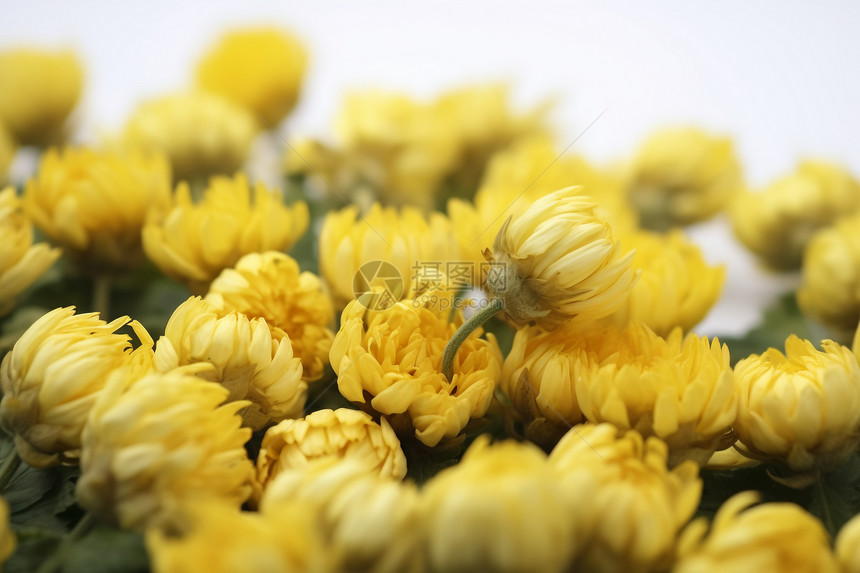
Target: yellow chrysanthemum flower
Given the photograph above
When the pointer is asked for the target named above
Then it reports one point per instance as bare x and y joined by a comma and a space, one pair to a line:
676, 287
40, 90
499, 509
340, 433
405, 238
52, 377
260, 69
770, 537
558, 260
393, 358
215, 537
8, 539
245, 358
193, 243
21, 262
800, 409
848, 546
8, 149
201, 133
154, 444
681, 176
830, 286
270, 285
628, 506
778, 222
94, 204
369, 523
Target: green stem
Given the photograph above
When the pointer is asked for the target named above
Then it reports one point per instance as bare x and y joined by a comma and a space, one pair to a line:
8, 469
477, 319
55, 562
828, 519
101, 295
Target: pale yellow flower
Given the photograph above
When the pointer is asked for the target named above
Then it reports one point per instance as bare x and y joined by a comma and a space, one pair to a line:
52, 377
153, 444
8, 149
193, 243
499, 509
8, 539
405, 238
201, 133
800, 409
216, 537
393, 358
778, 222
270, 285
21, 262
340, 433
676, 287
369, 523
260, 69
848, 546
40, 90
628, 506
830, 284
94, 204
681, 176
769, 537
558, 260
245, 358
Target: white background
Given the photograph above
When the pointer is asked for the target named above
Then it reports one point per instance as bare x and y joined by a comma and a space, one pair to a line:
780, 77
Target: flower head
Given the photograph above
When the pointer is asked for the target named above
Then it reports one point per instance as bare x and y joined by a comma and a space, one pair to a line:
201, 133
52, 377
558, 260
848, 546
769, 537
40, 90
21, 262
260, 69
193, 243
778, 222
340, 433
8, 149
270, 285
830, 286
681, 176
800, 409
8, 539
629, 506
155, 444
393, 358
499, 509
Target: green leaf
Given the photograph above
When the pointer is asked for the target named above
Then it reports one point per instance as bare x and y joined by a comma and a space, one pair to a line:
106, 550
33, 548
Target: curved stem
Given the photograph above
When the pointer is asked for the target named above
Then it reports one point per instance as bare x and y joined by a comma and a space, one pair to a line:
477, 319
9, 467
101, 295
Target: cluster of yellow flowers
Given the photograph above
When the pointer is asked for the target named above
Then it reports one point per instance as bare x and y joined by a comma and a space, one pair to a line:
282, 419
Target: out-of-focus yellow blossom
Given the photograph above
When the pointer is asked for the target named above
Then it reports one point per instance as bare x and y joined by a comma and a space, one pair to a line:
340, 433
21, 262
153, 444
681, 176
40, 90
628, 506
405, 238
369, 523
848, 546
800, 409
245, 359
260, 69
558, 260
215, 537
52, 377
393, 358
778, 222
499, 509
193, 243
676, 287
270, 285
830, 286
8, 149
8, 539
94, 204
770, 537
201, 133
521, 174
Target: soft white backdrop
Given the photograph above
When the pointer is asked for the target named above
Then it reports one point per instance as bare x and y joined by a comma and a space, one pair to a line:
780, 77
